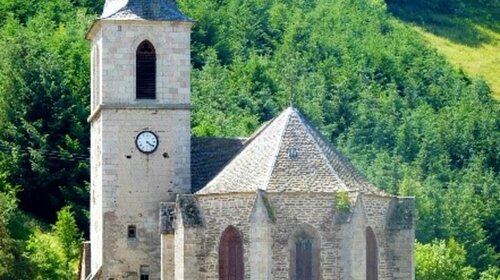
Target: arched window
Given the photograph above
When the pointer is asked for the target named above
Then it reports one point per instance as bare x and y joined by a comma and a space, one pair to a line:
371, 255
231, 255
145, 71
304, 255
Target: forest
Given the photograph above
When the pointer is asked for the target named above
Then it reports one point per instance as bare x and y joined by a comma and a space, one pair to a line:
414, 124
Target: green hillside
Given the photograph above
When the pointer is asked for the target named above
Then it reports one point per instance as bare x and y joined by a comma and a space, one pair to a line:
413, 122
466, 32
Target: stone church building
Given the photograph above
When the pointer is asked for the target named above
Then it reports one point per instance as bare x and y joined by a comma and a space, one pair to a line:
282, 204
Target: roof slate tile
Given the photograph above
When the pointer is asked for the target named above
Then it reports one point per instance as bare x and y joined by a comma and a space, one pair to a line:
264, 162
158, 10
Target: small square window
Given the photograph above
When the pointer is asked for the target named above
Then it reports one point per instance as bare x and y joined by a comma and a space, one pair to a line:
144, 272
131, 231
292, 152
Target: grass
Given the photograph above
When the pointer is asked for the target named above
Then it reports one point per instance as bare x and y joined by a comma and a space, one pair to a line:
469, 36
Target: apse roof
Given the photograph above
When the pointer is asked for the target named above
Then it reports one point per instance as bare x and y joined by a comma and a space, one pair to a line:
288, 155
159, 10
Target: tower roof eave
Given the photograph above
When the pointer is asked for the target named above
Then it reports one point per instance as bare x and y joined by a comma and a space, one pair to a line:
155, 10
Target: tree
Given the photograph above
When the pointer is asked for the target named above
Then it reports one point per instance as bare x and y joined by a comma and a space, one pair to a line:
13, 265
7, 205
44, 104
492, 273
68, 235
54, 254
440, 260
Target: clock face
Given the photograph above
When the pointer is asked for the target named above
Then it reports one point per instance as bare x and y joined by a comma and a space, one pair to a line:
146, 142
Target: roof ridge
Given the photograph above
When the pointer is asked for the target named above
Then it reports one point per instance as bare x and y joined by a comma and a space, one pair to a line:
306, 124
243, 149
277, 150
345, 162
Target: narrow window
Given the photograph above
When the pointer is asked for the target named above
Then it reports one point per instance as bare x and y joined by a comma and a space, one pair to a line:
146, 71
303, 257
371, 255
144, 272
231, 255
131, 231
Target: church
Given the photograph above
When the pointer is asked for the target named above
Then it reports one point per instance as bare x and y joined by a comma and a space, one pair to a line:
281, 204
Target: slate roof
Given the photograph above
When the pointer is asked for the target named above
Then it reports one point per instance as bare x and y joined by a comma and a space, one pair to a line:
159, 10
264, 162
208, 156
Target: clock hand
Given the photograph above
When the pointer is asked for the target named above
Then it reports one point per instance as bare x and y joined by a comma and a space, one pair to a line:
150, 144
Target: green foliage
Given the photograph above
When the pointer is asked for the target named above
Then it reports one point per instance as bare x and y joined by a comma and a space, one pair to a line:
441, 260
343, 204
411, 122
46, 255
68, 235
44, 103
466, 32
492, 273
13, 265
7, 205
54, 254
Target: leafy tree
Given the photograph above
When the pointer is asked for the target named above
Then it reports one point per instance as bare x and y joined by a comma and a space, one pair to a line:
13, 265
44, 91
54, 254
7, 203
68, 235
441, 260
411, 122
492, 273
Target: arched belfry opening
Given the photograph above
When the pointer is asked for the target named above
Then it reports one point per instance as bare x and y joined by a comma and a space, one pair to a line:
371, 255
231, 255
146, 71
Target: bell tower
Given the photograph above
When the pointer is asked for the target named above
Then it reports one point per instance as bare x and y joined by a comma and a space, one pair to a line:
140, 132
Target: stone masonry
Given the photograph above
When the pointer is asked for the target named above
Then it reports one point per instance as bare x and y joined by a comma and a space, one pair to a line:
127, 185
282, 204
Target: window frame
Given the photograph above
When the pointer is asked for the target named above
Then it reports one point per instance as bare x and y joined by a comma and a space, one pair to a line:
145, 71
305, 231
231, 255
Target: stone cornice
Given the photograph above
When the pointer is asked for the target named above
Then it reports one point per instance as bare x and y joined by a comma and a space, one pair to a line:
137, 106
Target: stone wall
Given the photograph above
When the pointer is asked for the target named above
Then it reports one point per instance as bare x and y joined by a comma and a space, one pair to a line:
310, 212
351, 241
115, 44
127, 185
167, 256
96, 194
268, 223
134, 184
266, 235
400, 232
261, 239
220, 211
376, 212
